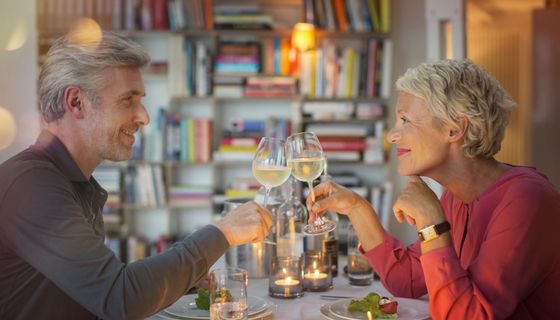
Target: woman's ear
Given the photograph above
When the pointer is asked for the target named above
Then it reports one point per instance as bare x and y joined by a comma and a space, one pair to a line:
458, 133
74, 102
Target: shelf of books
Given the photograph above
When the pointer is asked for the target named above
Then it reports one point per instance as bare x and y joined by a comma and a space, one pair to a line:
223, 74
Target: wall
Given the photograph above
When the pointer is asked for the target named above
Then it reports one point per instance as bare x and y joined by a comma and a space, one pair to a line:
18, 85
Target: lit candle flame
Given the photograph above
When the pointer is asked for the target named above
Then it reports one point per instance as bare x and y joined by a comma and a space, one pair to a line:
316, 273
288, 280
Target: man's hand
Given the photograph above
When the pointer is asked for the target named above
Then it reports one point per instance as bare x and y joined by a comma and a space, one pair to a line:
247, 223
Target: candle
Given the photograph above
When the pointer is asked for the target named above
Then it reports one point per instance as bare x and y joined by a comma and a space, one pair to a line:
315, 275
316, 280
369, 315
287, 282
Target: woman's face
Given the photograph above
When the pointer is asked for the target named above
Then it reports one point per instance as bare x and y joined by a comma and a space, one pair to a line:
421, 139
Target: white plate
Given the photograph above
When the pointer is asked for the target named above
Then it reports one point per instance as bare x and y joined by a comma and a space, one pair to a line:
408, 309
185, 307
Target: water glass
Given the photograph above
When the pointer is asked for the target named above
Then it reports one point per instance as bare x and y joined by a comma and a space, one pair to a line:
360, 272
228, 294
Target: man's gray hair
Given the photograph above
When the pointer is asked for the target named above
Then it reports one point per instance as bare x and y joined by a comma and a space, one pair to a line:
459, 88
83, 64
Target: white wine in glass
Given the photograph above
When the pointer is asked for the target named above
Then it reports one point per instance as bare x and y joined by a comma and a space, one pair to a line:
269, 167
307, 162
270, 176
307, 169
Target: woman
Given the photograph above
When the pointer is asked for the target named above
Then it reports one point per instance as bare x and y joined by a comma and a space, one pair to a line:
489, 248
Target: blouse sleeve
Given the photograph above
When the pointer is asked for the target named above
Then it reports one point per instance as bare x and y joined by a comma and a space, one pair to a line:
398, 267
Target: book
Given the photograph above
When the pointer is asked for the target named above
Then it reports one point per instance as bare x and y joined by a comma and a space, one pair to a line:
340, 13
232, 141
343, 144
343, 155
386, 70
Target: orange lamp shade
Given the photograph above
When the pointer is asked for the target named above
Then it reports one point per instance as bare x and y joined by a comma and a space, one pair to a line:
303, 36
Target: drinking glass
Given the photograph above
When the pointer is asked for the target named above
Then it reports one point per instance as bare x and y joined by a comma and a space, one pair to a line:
360, 272
228, 294
306, 160
269, 166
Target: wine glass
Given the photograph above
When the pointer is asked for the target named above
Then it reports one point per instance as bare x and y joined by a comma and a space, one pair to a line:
307, 161
269, 166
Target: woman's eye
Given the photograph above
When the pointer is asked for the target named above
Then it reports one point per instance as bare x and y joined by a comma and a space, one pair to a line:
404, 120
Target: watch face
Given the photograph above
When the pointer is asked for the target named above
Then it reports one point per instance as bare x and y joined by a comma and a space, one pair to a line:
429, 233
433, 231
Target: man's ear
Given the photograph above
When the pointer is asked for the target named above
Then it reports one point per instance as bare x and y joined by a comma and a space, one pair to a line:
74, 102
458, 133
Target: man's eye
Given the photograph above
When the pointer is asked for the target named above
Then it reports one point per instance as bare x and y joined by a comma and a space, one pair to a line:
404, 120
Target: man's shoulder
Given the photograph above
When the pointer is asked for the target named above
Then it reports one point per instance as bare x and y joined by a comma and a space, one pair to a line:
27, 163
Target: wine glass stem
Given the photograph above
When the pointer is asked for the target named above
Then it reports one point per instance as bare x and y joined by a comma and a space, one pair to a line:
265, 202
267, 239
311, 193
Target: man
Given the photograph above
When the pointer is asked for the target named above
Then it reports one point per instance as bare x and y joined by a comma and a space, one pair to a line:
53, 261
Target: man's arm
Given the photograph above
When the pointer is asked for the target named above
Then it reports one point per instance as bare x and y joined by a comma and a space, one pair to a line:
46, 227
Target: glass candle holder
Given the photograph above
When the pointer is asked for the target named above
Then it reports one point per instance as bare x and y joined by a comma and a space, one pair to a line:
360, 272
317, 274
285, 278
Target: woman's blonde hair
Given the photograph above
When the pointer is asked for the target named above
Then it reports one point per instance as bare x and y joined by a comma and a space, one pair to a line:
459, 88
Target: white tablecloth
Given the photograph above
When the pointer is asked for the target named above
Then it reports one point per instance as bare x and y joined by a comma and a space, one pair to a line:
308, 306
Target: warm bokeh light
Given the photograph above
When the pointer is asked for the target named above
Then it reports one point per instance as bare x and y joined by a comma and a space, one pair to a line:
7, 128
303, 36
17, 38
86, 32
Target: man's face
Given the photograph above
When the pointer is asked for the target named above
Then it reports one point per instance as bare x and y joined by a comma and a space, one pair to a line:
421, 139
117, 114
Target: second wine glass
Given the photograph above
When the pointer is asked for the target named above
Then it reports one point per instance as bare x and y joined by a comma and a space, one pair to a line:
306, 160
270, 168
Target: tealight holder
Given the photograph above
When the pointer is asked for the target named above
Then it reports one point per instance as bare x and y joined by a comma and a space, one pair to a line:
285, 277
317, 274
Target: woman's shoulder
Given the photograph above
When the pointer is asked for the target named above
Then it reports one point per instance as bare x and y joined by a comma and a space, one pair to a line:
526, 180
525, 189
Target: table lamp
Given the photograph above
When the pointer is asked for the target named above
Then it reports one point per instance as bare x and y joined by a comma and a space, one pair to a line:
303, 40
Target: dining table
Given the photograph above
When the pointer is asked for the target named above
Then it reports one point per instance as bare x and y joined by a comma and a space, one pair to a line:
311, 306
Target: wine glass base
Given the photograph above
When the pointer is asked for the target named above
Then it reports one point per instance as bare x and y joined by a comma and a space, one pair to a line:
270, 242
319, 228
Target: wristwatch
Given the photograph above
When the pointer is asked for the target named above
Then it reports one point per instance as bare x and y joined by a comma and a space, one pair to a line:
433, 231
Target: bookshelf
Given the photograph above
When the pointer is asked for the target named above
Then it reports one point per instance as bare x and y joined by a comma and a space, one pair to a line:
209, 100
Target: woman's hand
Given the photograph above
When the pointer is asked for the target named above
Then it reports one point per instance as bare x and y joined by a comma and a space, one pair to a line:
333, 197
330, 196
418, 204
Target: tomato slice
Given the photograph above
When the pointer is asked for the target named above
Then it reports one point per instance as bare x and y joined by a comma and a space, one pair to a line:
390, 307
